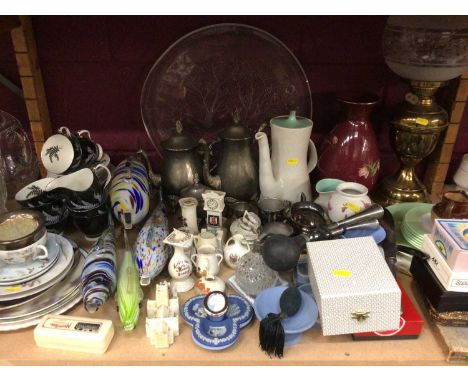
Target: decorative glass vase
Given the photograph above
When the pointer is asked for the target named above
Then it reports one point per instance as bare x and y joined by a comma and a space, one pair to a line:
351, 151
16, 156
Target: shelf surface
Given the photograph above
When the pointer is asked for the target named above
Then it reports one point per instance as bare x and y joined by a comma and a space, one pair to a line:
133, 348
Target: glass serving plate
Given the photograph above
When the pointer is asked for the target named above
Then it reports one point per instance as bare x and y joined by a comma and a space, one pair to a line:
213, 72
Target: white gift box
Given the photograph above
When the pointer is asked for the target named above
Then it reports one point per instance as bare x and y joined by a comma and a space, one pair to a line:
452, 281
449, 236
353, 286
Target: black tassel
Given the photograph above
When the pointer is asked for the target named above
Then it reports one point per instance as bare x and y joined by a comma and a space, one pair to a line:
272, 335
271, 332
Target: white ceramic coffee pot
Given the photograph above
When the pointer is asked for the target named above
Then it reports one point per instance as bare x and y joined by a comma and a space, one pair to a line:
286, 174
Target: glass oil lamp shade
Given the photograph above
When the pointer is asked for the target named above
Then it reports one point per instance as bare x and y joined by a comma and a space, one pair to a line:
427, 51
426, 48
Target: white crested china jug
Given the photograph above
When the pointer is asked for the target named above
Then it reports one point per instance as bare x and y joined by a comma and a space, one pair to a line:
285, 175
236, 247
349, 199
208, 263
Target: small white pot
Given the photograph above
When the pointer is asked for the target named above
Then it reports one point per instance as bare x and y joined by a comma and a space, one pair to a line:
349, 199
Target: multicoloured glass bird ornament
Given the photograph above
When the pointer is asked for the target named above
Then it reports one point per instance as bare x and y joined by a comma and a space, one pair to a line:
129, 293
151, 253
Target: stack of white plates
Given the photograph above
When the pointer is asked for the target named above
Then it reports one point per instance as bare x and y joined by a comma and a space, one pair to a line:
31, 290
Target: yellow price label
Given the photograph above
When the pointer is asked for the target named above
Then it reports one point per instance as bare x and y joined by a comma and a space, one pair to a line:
292, 162
13, 289
422, 121
341, 273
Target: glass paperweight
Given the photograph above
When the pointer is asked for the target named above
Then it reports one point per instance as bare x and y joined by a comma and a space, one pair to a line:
253, 275
426, 48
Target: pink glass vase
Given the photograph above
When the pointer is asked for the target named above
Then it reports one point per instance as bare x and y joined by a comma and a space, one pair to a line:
351, 152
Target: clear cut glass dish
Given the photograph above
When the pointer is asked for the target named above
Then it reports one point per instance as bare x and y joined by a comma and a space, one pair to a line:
212, 72
253, 275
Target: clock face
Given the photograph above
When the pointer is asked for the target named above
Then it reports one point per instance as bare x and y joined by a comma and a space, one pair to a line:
212, 204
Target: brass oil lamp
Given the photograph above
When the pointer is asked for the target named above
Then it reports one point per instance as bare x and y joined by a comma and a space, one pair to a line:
428, 51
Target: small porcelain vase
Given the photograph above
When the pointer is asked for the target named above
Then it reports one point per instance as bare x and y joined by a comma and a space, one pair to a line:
236, 247
208, 263
180, 266
189, 213
325, 188
348, 199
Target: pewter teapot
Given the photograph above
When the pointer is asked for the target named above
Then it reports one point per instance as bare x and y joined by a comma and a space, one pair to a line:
182, 161
237, 172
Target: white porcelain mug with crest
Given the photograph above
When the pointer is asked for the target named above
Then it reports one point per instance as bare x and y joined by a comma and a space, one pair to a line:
207, 263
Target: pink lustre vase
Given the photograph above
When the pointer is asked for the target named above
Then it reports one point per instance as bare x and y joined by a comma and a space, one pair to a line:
350, 152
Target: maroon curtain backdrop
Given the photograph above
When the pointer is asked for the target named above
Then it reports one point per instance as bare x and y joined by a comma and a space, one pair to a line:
94, 69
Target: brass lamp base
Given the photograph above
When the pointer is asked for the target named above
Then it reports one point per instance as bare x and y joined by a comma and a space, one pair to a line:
402, 187
414, 134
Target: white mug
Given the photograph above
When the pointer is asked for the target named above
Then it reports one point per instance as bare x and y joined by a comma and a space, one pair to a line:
207, 264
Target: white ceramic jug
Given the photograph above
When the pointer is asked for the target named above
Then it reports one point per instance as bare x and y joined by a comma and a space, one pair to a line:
236, 247
286, 174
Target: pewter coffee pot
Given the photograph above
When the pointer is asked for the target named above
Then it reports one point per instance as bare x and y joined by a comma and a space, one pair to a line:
237, 173
182, 161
